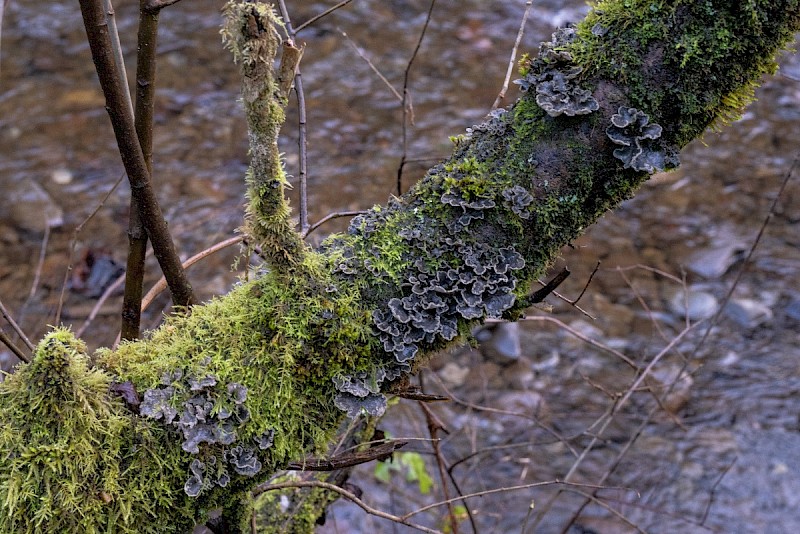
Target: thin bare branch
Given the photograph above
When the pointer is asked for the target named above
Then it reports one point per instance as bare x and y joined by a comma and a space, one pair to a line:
111, 20
15, 326
161, 285
510, 69
38, 273
155, 5
13, 348
291, 62
325, 13
363, 55
73, 242
348, 459
344, 493
408, 110
746, 262
131, 152
329, 217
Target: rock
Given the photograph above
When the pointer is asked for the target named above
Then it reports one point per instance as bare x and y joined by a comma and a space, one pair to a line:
713, 262
748, 313
26, 205
453, 374
695, 306
502, 345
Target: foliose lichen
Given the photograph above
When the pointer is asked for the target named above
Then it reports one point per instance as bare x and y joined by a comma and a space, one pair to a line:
554, 77
208, 417
640, 148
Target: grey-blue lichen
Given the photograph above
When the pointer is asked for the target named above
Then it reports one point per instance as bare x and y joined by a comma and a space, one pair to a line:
208, 417
640, 149
553, 75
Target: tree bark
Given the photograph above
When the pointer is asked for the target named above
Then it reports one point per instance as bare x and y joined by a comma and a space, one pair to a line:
162, 430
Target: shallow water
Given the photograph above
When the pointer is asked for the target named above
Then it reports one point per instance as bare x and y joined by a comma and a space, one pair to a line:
724, 460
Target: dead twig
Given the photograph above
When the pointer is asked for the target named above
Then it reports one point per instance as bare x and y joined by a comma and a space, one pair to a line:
372, 66
293, 64
329, 217
161, 285
510, 69
15, 326
348, 459
344, 493
73, 242
13, 348
325, 13
408, 109
131, 152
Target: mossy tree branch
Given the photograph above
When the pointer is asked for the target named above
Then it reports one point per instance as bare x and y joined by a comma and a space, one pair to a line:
214, 403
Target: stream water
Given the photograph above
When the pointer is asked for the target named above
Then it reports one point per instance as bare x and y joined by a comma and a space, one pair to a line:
721, 453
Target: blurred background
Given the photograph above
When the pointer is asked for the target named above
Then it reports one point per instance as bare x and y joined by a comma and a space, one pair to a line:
719, 451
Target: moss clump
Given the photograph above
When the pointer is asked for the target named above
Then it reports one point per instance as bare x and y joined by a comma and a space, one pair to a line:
74, 459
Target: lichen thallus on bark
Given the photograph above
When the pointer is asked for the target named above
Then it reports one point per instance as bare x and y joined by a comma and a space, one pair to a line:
158, 432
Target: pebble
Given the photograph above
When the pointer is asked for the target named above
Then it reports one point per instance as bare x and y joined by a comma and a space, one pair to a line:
748, 313
502, 345
696, 306
29, 207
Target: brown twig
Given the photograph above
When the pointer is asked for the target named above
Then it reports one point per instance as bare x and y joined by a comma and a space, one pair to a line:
746, 262
434, 426
325, 13
74, 241
302, 131
348, 459
131, 152
13, 348
549, 287
161, 285
147, 39
156, 5
38, 273
344, 493
363, 55
329, 217
15, 326
408, 109
510, 69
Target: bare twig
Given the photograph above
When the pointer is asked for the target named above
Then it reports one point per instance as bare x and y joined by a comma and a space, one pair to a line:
147, 39
746, 262
713, 492
549, 287
363, 55
348, 459
131, 152
329, 217
38, 273
510, 69
15, 326
13, 348
111, 20
161, 285
408, 110
344, 493
99, 304
434, 425
155, 5
73, 242
325, 13
302, 137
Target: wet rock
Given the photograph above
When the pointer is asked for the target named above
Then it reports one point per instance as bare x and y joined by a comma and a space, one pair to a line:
672, 385
27, 206
748, 313
695, 306
501, 343
453, 375
714, 261
793, 309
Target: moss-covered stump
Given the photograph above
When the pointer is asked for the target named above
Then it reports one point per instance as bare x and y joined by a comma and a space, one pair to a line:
157, 433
